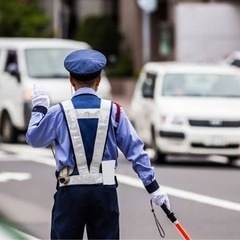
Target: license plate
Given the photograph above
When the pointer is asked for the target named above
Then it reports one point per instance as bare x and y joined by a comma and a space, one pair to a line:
215, 141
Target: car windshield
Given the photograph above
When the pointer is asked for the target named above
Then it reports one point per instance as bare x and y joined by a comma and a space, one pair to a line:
47, 63
202, 85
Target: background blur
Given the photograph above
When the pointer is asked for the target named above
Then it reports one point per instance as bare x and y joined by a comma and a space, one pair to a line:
204, 192
132, 32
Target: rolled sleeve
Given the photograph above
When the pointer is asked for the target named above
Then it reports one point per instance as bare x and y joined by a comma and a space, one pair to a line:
133, 149
40, 109
42, 127
152, 187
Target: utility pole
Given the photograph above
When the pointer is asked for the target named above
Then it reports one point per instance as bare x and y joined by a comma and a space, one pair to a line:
147, 6
57, 23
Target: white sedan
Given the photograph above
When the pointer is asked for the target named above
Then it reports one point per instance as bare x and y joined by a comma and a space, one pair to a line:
189, 109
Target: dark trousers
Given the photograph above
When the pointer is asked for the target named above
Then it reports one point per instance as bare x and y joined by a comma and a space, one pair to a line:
93, 206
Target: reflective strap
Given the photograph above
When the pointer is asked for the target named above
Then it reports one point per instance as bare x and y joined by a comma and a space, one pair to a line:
76, 137
87, 113
84, 179
72, 115
100, 140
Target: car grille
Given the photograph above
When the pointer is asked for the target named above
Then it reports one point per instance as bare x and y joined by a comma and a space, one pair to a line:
229, 146
169, 134
214, 123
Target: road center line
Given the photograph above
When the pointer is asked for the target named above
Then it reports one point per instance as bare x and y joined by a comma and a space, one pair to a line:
134, 182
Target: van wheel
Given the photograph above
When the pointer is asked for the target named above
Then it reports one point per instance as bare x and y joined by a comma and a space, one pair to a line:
232, 159
158, 157
8, 131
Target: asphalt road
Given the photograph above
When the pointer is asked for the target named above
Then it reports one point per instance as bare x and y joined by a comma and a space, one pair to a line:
204, 195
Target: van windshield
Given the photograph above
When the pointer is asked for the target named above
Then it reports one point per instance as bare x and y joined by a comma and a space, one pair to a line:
47, 63
202, 85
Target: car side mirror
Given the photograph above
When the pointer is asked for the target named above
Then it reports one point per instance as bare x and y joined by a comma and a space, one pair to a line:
147, 93
13, 71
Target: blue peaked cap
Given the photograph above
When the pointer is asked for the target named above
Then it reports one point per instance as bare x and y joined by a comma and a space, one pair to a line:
85, 64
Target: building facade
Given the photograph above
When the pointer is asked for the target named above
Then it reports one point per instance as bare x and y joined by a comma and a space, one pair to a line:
155, 35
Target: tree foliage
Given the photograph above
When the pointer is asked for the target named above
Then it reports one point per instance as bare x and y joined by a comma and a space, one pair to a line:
101, 33
18, 19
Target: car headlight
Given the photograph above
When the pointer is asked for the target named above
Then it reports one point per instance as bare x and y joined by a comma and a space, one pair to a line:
173, 120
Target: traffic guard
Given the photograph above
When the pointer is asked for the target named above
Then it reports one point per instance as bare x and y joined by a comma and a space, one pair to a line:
85, 133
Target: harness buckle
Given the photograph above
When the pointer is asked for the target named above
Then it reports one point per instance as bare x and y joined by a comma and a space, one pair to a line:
64, 175
63, 180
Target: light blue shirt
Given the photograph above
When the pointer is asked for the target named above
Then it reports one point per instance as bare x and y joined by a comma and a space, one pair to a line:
51, 129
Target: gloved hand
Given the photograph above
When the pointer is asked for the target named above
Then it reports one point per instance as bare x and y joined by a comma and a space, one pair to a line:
159, 197
40, 97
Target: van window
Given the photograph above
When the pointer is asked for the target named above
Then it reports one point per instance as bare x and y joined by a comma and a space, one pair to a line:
148, 85
47, 63
11, 64
202, 85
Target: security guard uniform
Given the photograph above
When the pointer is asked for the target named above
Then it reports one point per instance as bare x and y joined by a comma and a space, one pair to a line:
86, 132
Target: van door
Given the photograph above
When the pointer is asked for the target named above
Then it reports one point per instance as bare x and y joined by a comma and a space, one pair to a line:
146, 105
11, 93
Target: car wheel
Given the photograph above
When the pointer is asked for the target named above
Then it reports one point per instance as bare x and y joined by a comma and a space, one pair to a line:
232, 159
8, 131
158, 156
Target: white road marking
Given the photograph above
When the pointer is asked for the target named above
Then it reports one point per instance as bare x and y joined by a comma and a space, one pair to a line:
45, 157
134, 182
18, 176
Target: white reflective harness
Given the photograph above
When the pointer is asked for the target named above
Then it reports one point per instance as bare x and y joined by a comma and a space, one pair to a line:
92, 175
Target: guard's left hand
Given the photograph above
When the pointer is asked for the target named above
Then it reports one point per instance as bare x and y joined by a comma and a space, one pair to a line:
159, 197
40, 97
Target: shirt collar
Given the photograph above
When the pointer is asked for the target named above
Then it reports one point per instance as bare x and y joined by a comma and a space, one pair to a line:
85, 90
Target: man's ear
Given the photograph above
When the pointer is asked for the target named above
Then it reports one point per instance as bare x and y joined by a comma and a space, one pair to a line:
98, 80
72, 81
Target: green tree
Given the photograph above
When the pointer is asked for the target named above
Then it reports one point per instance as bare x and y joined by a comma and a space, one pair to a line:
101, 33
19, 19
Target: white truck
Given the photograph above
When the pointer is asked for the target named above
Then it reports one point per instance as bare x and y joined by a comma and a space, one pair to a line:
28, 61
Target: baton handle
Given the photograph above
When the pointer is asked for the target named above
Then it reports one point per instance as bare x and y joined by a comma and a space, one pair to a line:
174, 220
169, 214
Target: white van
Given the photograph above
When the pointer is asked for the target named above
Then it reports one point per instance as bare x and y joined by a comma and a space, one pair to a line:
28, 61
188, 109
